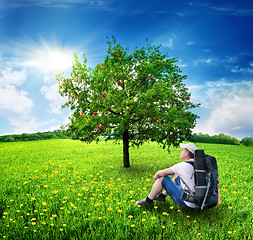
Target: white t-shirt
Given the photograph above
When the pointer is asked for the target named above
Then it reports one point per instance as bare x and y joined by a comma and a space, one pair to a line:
186, 171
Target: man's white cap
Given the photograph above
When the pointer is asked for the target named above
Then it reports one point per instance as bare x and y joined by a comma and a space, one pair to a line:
189, 146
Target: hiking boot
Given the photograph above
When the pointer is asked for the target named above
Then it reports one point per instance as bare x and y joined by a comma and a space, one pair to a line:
159, 198
144, 202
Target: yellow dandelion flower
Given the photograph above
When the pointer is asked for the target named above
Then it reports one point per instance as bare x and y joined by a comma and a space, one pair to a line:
130, 216
163, 226
132, 225
43, 223
64, 225
199, 234
33, 199
54, 215
153, 218
119, 210
245, 198
187, 216
174, 223
33, 223
144, 212
99, 218
148, 180
229, 232
21, 205
164, 213
171, 207
61, 229
155, 207
89, 214
131, 192
143, 219
65, 197
110, 209
230, 207
225, 190
44, 203
234, 192
51, 224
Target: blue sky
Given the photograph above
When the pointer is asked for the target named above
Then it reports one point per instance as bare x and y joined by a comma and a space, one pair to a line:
212, 39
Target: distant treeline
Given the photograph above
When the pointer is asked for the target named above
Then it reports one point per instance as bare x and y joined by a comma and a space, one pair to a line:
57, 134
221, 139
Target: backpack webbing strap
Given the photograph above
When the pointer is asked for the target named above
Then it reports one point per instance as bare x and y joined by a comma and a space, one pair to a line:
207, 190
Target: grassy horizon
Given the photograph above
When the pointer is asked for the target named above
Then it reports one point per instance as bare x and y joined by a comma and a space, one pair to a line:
65, 189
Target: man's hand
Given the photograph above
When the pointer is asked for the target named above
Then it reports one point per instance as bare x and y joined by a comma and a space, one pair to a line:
158, 174
162, 173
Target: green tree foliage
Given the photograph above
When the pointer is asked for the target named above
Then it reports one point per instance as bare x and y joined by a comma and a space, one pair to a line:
247, 141
57, 134
137, 96
219, 139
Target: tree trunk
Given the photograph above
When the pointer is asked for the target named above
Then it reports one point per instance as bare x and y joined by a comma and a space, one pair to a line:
126, 149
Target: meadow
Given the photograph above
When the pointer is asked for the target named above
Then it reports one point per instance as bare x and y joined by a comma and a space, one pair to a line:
65, 189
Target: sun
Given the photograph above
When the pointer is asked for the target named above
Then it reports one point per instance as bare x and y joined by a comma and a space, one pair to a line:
49, 58
57, 61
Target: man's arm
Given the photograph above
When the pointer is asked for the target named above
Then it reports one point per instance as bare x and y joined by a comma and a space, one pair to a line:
162, 173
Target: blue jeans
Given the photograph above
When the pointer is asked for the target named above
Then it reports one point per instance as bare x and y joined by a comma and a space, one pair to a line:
173, 190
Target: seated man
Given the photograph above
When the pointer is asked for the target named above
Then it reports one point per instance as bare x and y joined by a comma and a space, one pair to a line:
183, 170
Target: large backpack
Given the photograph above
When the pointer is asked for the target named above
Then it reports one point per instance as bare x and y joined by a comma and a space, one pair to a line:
206, 181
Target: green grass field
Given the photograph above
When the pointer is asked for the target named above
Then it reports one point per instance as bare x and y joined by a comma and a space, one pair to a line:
65, 189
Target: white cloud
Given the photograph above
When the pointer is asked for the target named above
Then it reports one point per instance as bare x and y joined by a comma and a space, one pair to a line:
209, 61
168, 43
51, 93
15, 106
12, 77
231, 108
190, 43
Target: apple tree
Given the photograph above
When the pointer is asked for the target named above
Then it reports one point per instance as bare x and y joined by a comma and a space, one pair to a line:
133, 96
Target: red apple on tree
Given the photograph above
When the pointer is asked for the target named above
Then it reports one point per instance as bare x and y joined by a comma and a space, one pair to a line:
118, 55
127, 107
100, 84
120, 81
151, 78
99, 128
175, 95
171, 133
81, 113
182, 116
103, 68
95, 114
156, 118
103, 95
72, 95
160, 64
186, 98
